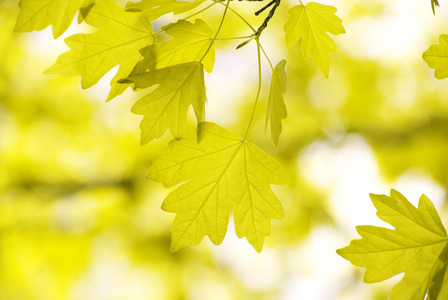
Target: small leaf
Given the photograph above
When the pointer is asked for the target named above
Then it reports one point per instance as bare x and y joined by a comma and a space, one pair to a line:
154, 9
166, 107
276, 110
437, 57
311, 23
190, 42
414, 247
224, 172
38, 15
118, 40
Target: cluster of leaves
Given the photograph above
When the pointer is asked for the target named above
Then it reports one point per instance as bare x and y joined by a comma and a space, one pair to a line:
218, 171
218, 168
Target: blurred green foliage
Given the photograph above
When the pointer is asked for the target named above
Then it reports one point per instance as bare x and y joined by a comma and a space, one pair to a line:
78, 219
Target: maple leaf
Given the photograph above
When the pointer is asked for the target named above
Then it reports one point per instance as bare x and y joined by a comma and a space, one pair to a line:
38, 15
154, 9
223, 171
414, 247
118, 40
437, 57
190, 42
311, 23
166, 107
276, 110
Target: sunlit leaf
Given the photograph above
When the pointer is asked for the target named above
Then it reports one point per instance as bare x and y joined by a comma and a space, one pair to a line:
414, 247
224, 171
166, 107
311, 23
190, 42
276, 110
37, 15
154, 9
118, 40
437, 57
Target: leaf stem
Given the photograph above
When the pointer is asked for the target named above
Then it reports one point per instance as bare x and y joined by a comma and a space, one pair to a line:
239, 16
267, 58
217, 31
258, 91
188, 17
233, 38
252, 28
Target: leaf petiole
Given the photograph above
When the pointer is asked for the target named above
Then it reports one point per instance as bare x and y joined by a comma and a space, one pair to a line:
258, 91
217, 31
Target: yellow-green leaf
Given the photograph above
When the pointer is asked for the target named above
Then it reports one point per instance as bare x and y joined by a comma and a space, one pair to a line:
276, 110
437, 57
154, 9
311, 23
166, 107
414, 247
38, 15
118, 40
190, 42
224, 171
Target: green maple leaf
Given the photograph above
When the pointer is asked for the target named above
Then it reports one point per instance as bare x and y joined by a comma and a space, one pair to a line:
154, 9
276, 110
166, 107
223, 171
311, 23
118, 40
38, 15
437, 57
190, 42
414, 247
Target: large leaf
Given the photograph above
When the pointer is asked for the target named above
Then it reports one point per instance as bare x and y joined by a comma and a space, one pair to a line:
311, 23
37, 15
190, 42
276, 110
437, 57
166, 107
224, 171
154, 9
118, 40
414, 247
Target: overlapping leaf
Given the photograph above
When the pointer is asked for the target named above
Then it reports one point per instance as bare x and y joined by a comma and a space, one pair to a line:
437, 57
190, 42
276, 110
154, 9
118, 40
38, 15
224, 171
166, 107
414, 247
311, 23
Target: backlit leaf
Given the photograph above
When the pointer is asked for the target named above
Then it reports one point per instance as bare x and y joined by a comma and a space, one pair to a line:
224, 171
414, 247
166, 107
118, 40
437, 57
311, 23
38, 15
190, 42
276, 110
154, 9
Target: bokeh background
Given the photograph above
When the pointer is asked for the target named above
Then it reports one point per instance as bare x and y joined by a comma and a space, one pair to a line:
79, 221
